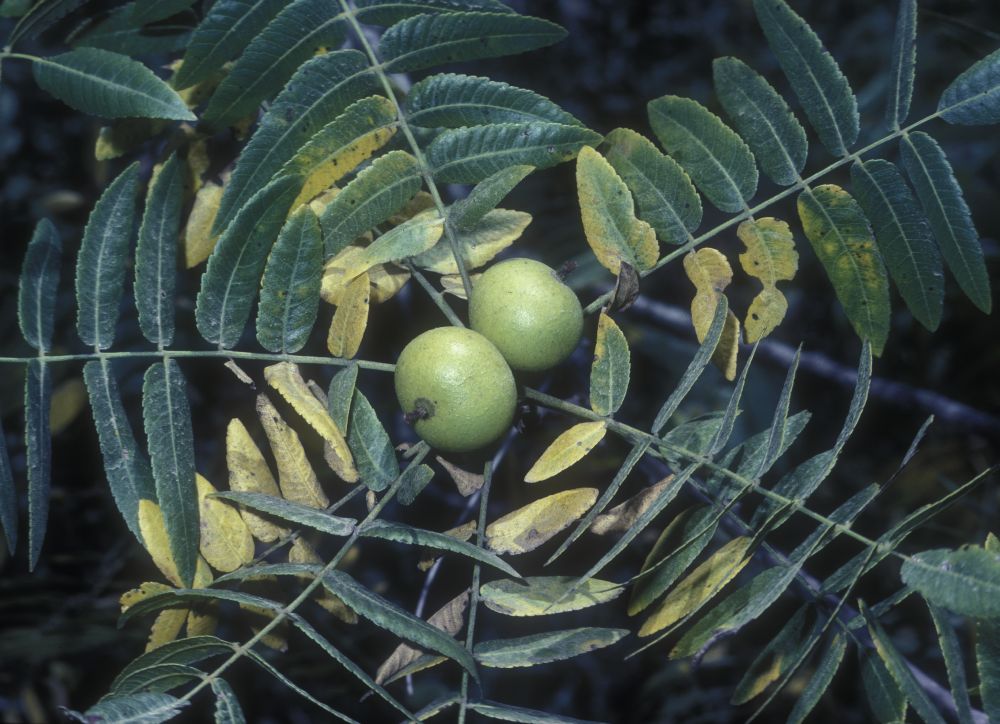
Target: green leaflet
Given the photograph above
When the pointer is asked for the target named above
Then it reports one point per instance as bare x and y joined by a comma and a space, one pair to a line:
842, 239
484, 196
108, 85
988, 663
399, 533
167, 420
717, 160
171, 598
951, 649
903, 67
543, 648
232, 276
318, 92
288, 41
38, 453
941, 198
609, 373
227, 706
100, 266
148, 708
129, 474
903, 237
469, 155
156, 678
183, 651
289, 294
900, 672
885, 699
450, 100
763, 118
428, 40
544, 595
814, 75
39, 280
374, 195
8, 497
964, 581
505, 712
42, 14
394, 619
119, 34
149, 11
340, 395
973, 98
663, 192
293, 512
227, 28
387, 12
156, 253
820, 680
414, 480
373, 452
411, 238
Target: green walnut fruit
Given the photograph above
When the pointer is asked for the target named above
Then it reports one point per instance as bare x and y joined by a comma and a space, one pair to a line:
523, 307
456, 389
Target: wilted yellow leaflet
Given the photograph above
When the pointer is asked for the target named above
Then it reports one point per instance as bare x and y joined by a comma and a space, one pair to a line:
568, 448
198, 239
351, 318
463, 533
545, 595
198, 162
710, 273
608, 213
770, 257
449, 618
699, 585
492, 234
68, 399
226, 542
154, 537
623, 516
287, 380
452, 284
166, 626
302, 552
248, 471
296, 477
408, 239
386, 279
529, 527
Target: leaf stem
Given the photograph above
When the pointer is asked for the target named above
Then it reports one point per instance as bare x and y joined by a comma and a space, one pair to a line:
474, 594
436, 296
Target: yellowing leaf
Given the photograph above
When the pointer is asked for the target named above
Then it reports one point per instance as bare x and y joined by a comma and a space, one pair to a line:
296, 478
198, 162
611, 368
319, 204
449, 618
276, 638
203, 619
452, 284
351, 318
68, 399
226, 542
492, 234
386, 279
710, 273
621, 517
608, 213
420, 203
302, 552
287, 380
699, 586
538, 596
144, 591
198, 238
770, 257
154, 537
248, 471
568, 448
404, 241
529, 527
166, 626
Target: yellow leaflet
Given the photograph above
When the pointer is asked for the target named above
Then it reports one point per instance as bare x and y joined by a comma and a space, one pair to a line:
623, 516
319, 204
463, 533
449, 618
410, 238
125, 135
154, 537
351, 318
568, 448
699, 586
770, 257
68, 399
144, 591
492, 234
198, 240
420, 203
452, 284
529, 527
226, 542
296, 478
386, 279
203, 622
198, 162
710, 273
248, 471
302, 552
286, 379
166, 626
608, 213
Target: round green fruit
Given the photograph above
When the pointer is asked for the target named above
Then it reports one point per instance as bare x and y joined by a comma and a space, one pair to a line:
456, 388
523, 307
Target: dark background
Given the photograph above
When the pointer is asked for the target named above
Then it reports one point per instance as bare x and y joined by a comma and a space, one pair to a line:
58, 640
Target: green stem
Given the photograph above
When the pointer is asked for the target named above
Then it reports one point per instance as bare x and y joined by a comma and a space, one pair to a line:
484, 496
436, 296
425, 169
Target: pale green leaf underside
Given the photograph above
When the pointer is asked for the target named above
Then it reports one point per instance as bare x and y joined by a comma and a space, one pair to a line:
148, 708
485, 196
543, 648
39, 280
38, 453
903, 65
292, 512
964, 581
371, 446
974, 97
543, 595
227, 706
